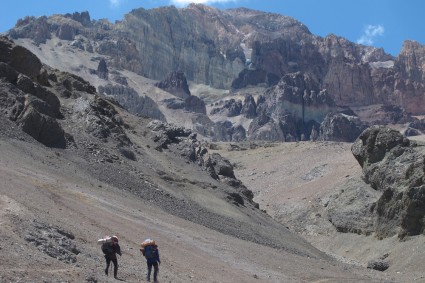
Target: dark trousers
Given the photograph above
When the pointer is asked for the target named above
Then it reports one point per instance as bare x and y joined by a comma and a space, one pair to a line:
155, 271
108, 262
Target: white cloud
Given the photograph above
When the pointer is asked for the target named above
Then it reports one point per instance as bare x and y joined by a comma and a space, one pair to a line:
185, 2
115, 3
370, 33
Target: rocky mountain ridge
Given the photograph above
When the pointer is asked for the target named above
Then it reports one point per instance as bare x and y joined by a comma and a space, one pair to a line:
236, 50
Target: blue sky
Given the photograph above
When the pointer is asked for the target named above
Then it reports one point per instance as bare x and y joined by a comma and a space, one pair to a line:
380, 23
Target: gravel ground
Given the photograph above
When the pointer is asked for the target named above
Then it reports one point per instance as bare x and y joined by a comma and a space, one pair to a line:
55, 204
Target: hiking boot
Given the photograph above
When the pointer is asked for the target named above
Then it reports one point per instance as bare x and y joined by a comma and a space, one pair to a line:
106, 272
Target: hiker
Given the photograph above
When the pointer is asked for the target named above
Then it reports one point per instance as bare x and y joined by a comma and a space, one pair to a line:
151, 253
111, 248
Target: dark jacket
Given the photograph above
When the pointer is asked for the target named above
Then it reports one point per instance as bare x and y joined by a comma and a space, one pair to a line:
111, 250
155, 254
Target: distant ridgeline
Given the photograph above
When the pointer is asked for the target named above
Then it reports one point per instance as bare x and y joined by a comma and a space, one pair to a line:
315, 86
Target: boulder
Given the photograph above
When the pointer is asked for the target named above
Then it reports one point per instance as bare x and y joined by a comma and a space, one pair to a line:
393, 166
340, 127
43, 128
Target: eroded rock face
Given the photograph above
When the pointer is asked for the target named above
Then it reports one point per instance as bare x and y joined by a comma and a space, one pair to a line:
289, 110
394, 166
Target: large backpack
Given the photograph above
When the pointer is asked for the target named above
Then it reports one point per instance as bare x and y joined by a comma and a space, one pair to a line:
107, 248
150, 252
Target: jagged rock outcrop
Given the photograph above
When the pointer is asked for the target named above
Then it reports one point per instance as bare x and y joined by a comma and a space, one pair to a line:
393, 166
100, 119
36, 28
176, 84
229, 108
249, 107
34, 108
182, 140
19, 58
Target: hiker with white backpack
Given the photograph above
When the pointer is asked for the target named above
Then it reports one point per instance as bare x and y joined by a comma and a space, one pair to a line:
110, 249
150, 251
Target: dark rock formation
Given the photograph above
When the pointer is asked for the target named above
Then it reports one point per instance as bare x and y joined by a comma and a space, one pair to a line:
394, 166
195, 104
411, 132
19, 58
249, 77
102, 69
30, 105
249, 107
175, 84
379, 265
229, 108
36, 108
